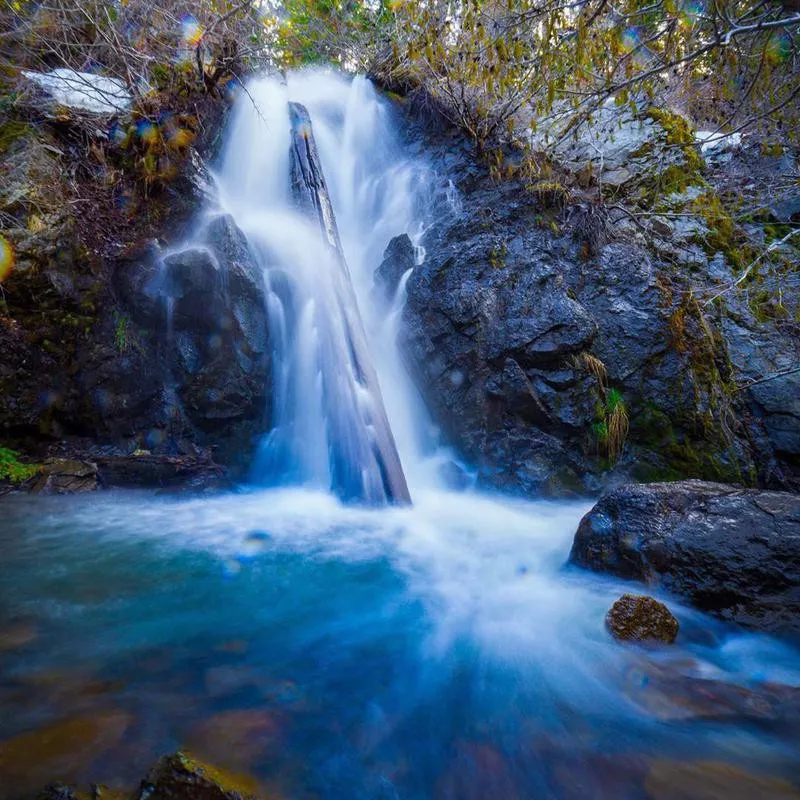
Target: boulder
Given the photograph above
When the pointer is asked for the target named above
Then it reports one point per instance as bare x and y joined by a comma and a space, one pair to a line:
65, 476
732, 552
398, 258
641, 618
182, 777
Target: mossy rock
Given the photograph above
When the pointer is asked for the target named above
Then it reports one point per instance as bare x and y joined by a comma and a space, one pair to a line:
181, 776
11, 132
641, 618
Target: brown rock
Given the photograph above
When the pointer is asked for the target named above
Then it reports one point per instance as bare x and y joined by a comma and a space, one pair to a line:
640, 618
66, 476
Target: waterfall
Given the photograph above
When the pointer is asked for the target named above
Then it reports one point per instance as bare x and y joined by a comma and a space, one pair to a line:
342, 407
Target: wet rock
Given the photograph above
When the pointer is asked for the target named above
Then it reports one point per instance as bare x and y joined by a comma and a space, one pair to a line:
66, 476
708, 780
160, 471
398, 258
507, 279
182, 777
641, 618
729, 551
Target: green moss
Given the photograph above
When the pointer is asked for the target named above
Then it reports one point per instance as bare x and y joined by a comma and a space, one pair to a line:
774, 150
683, 456
121, 332
724, 234
766, 306
227, 782
680, 134
12, 131
775, 231
497, 256
12, 469
677, 177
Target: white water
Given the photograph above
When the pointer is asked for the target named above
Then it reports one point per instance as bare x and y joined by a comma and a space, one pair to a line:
321, 415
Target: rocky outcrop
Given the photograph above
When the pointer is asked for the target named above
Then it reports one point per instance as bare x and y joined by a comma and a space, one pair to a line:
641, 618
397, 260
65, 476
153, 352
182, 777
115, 337
524, 317
729, 551
179, 776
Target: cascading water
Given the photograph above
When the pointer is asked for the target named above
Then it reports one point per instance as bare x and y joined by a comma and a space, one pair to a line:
329, 428
335, 651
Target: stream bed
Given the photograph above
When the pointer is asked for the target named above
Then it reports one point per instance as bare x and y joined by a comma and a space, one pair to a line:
328, 651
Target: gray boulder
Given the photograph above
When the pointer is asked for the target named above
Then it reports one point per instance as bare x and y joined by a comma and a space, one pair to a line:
729, 551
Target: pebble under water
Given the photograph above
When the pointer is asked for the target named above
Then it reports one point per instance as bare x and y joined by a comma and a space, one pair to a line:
439, 651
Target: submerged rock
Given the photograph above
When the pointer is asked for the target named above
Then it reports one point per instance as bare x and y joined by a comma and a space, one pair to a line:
729, 551
62, 750
182, 777
640, 618
709, 780
676, 691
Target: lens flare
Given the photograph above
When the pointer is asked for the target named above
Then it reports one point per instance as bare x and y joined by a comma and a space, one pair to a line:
147, 132
691, 11
6, 258
779, 47
232, 89
179, 138
118, 135
630, 38
191, 30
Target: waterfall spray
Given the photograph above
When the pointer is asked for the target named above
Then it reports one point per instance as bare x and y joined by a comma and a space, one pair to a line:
313, 178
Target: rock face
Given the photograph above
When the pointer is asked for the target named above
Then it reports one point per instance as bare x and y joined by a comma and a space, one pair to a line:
171, 355
115, 337
641, 618
729, 551
524, 316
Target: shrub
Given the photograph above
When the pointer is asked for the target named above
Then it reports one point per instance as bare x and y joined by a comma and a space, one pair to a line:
11, 469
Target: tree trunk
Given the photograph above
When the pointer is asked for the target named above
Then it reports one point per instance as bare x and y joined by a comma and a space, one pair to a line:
311, 194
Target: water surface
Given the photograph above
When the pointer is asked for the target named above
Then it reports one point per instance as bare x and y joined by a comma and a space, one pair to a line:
336, 652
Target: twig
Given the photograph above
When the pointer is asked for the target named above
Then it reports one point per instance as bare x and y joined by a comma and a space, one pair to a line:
749, 269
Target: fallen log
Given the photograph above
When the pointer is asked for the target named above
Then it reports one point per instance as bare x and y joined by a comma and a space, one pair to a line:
350, 460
